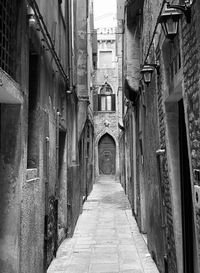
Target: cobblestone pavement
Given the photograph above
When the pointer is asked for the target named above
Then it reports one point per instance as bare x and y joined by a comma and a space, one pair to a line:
106, 238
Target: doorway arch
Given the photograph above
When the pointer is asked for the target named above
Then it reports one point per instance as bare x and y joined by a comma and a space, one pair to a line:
107, 155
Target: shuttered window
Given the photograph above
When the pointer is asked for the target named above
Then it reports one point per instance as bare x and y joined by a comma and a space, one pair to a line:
106, 102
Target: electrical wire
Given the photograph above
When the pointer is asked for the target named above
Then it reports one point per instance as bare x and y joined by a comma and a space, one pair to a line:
155, 29
47, 38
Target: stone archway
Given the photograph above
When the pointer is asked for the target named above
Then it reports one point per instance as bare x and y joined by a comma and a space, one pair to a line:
98, 136
107, 155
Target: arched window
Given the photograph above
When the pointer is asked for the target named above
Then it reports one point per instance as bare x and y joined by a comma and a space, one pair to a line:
106, 98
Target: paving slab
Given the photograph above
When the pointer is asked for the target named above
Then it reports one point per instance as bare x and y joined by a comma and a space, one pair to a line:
106, 238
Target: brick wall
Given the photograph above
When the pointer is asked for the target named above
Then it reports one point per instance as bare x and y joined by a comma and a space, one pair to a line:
170, 240
191, 59
156, 118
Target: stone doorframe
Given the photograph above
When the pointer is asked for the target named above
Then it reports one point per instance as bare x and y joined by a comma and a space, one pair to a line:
96, 153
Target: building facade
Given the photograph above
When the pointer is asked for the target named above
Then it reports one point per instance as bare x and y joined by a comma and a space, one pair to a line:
105, 87
43, 93
160, 144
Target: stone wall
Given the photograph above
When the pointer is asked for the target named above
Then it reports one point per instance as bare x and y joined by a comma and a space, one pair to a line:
11, 171
188, 89
159, 204
166, 191
147, 179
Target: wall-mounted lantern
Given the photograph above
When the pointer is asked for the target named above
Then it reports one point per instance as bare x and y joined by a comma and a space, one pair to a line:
170, 22
171, 17
68, 91
31, 16
147, 71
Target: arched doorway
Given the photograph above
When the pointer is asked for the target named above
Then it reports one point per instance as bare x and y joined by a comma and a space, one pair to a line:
107, 155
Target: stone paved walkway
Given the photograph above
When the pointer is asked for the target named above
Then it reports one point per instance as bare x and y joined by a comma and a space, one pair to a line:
106, 239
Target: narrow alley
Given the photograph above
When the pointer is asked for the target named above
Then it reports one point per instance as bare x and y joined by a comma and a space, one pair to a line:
100, 136
106, 237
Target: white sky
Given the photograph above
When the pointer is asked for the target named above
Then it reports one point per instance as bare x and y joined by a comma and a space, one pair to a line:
104, 13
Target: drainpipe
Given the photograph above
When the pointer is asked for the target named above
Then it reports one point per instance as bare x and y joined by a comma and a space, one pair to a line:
47, 37
48, 40
57, 155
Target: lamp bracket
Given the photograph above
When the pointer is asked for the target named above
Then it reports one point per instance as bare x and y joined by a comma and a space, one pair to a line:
156, 66
186, 9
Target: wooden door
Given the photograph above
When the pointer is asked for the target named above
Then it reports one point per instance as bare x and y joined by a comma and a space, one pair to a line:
107, 155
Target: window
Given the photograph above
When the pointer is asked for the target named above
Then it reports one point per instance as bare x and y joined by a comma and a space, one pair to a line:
106, 100
106, 103
94, 57
7, 35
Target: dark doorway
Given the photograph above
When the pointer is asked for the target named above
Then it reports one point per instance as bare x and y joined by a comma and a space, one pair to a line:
61, 152
33, 121
186, 196
107, 155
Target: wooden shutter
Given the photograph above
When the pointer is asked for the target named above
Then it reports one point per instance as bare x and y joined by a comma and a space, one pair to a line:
113, 102
99, 102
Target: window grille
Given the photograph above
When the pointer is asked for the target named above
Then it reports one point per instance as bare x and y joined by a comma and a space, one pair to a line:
7, 35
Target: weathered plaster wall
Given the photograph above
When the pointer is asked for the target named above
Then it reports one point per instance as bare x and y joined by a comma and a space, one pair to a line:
86, 159
40, 207
25, 201
12, 151
32, 223
11, 175
132, 56
82, 13
74, 197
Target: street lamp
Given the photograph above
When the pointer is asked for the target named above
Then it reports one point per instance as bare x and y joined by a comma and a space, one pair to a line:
170, 22
171, 17
147, 71
31, 16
